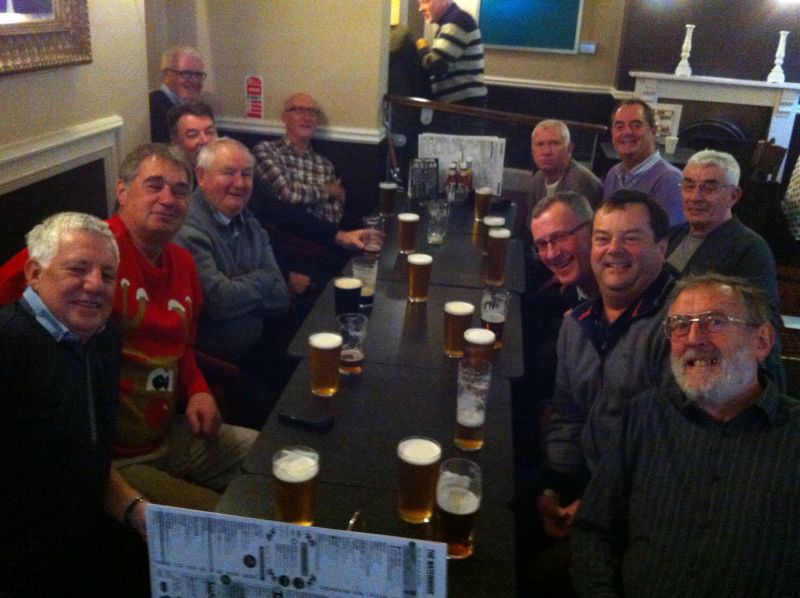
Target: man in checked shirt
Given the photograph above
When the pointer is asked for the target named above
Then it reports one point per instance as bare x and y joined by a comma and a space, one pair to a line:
308, 197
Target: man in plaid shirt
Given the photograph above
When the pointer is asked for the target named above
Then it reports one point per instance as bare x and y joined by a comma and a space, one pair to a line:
294, 170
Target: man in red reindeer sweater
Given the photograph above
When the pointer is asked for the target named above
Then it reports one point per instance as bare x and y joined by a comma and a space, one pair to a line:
182, 460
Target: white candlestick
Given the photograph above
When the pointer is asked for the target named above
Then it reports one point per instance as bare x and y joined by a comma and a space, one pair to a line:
683, 69
776, 74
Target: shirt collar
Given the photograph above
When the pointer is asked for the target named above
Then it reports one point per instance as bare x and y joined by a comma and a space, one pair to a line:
639, 169
174, 98
768, 404
46, 318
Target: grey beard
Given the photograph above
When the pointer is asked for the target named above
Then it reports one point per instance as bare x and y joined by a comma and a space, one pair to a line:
725, 388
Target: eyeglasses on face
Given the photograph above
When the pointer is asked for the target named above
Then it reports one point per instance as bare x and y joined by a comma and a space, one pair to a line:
557, 240
710, 322
186, 75
306, 110
706, 187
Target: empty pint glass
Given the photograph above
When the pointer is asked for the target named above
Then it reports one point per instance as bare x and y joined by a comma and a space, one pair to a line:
494, 309
483, 201
419, 277
418, 468
365, 268
496, 249
346, 294
387, 192
457, 318
323, 362
295, 470
373, 235
474, 380
458, 498
479, 343
407, 230
353, 328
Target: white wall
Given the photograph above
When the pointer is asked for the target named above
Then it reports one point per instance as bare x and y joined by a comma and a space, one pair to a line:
115, 82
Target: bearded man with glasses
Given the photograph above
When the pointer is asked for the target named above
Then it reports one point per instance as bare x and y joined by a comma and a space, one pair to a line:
714, 240
182, 75
697, 495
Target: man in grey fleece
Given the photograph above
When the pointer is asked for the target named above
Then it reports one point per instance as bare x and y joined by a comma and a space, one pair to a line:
241, 281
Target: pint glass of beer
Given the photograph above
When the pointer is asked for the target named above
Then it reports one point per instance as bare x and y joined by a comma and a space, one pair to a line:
479, 343
457, 318
353, 328
474, 380
458, 498
346, 294
489, 223
387, 192
496, 249
323, 362
295, 471
407, 229
483, 201
494, 309
417, 470
419, 277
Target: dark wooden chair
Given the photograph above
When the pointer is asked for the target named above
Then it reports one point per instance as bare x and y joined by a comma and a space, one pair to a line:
767, 160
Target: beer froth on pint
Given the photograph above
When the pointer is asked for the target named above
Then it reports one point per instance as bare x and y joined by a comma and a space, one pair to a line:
295, 470
418, 470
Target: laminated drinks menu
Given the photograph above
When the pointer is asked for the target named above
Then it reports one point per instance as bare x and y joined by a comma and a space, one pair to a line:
197, 554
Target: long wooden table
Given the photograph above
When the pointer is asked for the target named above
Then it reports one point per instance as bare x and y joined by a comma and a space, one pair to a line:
408, 387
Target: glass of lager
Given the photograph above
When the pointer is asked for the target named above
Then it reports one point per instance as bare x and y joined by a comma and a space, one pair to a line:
387, 193
479, 343
474, 380
407, 229
457, 318
295, 470
353, 328
417, 470
346, 294
419, 277
496, 249
494, 308
483, 201
458, 498
323, 362
365, 268
489, 223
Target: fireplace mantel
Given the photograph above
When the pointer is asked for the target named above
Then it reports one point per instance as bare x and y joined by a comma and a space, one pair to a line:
38, 158
780, 97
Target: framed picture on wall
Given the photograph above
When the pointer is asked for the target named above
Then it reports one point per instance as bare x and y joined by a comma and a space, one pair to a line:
38, 34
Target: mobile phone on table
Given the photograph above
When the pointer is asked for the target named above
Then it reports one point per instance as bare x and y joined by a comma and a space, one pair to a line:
315, 415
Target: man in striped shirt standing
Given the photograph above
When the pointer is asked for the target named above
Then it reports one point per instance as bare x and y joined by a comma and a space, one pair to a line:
455, 58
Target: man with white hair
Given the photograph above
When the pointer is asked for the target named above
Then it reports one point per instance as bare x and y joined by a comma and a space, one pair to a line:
714, 240
59, 373
698, 494
182, 74
241, 281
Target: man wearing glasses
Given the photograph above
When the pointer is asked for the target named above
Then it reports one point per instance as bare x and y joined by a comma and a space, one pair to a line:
299, 192
610, 348
698, 493
182, 75
714, 240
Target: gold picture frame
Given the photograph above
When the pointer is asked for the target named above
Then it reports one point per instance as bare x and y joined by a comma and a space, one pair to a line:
58, 38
